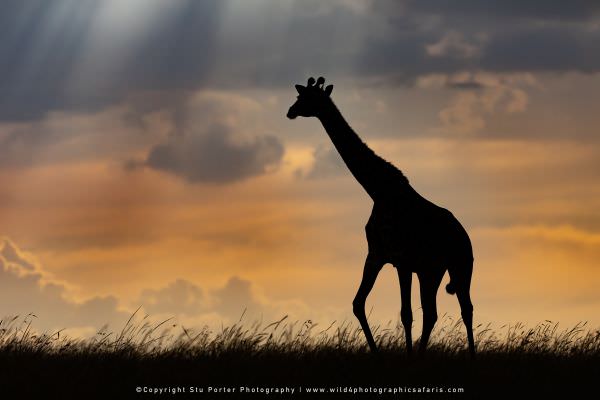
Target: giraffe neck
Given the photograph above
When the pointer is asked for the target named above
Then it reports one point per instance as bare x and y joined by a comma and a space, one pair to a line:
372, 172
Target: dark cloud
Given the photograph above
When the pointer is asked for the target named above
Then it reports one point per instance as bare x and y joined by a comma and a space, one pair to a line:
277, 44
55, 59
210, 137
33, 143
562, 48
498, 36
530, 9
402, 56
68, 137
464, 85
44, 42
56, 56
36, 60
215, 156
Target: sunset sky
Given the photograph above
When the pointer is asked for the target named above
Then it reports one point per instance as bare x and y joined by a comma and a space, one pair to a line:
146, 160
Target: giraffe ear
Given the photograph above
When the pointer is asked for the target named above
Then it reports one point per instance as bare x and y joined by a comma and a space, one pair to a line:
300, 89
328, 90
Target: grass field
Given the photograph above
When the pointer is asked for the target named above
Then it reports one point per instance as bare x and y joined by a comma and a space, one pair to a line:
515, 362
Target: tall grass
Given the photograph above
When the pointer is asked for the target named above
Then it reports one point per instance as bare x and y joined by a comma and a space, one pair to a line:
542, 360
141, 338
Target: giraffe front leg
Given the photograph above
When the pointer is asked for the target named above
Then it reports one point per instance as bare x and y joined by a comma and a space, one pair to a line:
405, 278
370, 272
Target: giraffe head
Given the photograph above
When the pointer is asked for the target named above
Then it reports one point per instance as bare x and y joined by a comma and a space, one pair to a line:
311, 99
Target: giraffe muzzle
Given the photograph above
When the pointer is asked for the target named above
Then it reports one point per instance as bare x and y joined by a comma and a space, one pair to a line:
291, 114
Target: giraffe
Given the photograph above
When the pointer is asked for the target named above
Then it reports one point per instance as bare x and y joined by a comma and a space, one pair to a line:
404, 229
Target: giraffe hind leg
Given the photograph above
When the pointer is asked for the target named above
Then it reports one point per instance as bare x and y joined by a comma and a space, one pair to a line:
466, 310
461, 282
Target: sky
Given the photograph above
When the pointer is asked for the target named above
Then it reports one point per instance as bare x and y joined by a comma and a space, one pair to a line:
146, 160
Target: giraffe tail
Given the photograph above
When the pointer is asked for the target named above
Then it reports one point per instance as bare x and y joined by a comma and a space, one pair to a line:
450, 288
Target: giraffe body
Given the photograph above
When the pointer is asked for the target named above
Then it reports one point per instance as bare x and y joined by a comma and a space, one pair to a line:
404, 229
403, 236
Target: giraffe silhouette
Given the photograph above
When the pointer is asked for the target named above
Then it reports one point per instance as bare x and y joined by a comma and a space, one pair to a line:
404, 229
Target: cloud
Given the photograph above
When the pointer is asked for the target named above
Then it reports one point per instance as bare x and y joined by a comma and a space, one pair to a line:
557, 235
69, 137
533, 9
213, 138
87, 55
327, 163
425, 37
214, 156
183, 297
237, 296
14, 259
465, 85
452, 43
179, 297
543, 49
26, 288
481, 96
204, 136
189, 302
